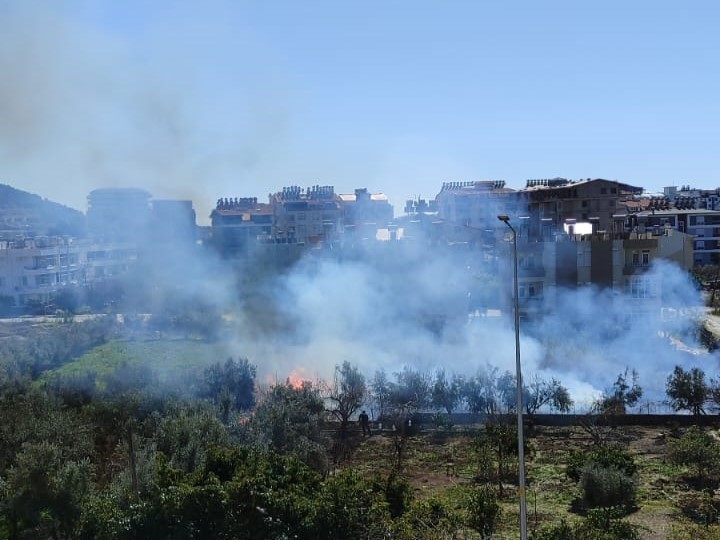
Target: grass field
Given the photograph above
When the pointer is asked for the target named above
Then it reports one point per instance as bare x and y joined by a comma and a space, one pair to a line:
550, 492
170, 359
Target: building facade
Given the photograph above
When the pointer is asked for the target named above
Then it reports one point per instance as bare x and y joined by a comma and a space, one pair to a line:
34, 270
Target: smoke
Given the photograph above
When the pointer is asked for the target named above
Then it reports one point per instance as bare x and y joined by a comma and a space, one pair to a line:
394, 305
82, 106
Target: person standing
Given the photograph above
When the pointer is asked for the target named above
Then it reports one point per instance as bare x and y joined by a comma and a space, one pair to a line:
365, 423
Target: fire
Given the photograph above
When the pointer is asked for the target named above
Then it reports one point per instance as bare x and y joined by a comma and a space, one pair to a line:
295, 378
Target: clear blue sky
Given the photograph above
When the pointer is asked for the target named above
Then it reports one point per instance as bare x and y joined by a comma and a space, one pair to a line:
207, 99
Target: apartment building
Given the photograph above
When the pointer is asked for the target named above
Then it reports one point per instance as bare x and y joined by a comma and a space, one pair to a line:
239, 224
364, 213
617, 262
476, 204
559, 204
36, 269
118, 213
306, 216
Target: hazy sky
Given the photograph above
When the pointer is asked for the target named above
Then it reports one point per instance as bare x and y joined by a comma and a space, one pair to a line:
204, 99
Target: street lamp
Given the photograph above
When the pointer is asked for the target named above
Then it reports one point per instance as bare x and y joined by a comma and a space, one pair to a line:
518, 389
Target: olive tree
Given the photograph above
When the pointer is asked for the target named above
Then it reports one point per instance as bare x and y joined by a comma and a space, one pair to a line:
688, 390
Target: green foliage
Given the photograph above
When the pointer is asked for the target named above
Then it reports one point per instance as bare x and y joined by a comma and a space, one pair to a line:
480, 391
541, 392
599, 525
604, 455
699, 451
45, 487
606, 487
289, 420
346, 393
427, 519
411, 389
185, 437
398, 494
688, 390
498, 445
625, 392
349, 507
483, 510
446, 394
235, 379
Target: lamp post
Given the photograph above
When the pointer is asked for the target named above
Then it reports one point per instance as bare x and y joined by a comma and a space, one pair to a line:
518, 389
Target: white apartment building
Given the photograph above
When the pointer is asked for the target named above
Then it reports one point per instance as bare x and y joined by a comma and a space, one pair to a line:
35, 269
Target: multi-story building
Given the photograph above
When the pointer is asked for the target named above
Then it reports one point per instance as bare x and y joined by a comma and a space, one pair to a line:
36, 269
118, 213
364, 213
475, 204
558, 204
616, 261
173, 221
239, 224
306, 216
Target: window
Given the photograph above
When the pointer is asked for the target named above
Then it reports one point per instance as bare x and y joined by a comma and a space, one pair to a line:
640, 288
635, 258
603, 191
645, 257
584, 204
613, 191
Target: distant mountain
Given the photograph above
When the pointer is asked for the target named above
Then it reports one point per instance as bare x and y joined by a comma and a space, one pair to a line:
23, 213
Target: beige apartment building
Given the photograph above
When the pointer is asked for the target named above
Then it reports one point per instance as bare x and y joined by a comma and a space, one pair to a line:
619, 262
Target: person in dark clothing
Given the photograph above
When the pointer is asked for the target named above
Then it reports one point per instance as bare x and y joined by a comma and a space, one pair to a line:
365, 423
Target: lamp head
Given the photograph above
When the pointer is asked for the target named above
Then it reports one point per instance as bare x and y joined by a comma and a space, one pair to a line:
504, 218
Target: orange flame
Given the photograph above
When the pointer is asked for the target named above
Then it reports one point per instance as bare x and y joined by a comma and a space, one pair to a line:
295, 378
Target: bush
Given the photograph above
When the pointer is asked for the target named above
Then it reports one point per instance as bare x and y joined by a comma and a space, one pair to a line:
606, 455
428, 519
398, 494
699, 451
599, 525
483, 510
606, 487
700, 507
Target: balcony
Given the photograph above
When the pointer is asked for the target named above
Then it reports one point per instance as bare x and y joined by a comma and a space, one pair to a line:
531, 272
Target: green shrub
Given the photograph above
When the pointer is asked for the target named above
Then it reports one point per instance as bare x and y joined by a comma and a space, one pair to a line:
606, 487
483, 510
606, 455
699, 451
599, 525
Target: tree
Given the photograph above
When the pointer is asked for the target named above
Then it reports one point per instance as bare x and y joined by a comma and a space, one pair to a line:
411, 389
541, 392
480, 392
380, 391
234, 378
446, 394
346, 394
624, 394
288, 419
688, 390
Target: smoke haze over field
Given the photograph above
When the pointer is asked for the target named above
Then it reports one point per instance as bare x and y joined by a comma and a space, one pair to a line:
204, 100
388, 307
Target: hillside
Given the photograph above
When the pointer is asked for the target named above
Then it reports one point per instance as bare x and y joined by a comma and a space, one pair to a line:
29, 214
